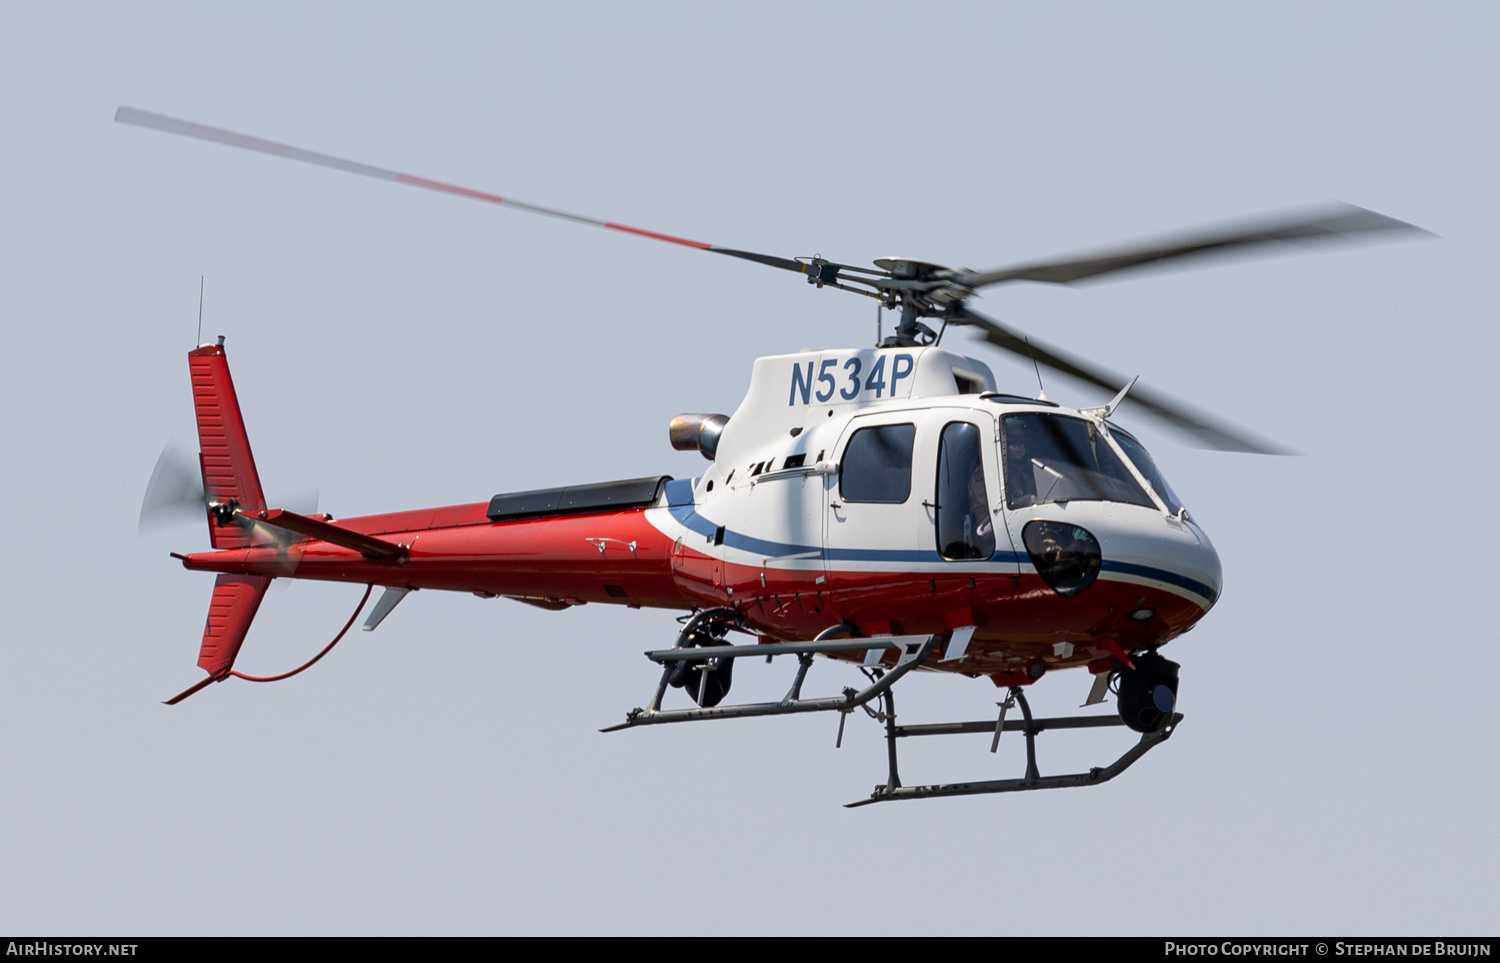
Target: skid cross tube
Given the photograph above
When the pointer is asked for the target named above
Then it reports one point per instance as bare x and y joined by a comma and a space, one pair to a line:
782, 648
893, 790
913, 654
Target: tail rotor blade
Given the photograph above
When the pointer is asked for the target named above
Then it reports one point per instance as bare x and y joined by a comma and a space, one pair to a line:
175, 498
174, 495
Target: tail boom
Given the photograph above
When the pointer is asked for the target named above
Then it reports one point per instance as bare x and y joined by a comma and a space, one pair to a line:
613, 557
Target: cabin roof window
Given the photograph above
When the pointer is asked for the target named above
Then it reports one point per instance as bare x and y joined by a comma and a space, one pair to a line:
1000, 397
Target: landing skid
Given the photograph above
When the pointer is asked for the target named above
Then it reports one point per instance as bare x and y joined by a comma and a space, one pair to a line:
911, 652
893, 790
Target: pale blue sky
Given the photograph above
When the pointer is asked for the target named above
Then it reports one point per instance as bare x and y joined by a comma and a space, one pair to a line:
399, 348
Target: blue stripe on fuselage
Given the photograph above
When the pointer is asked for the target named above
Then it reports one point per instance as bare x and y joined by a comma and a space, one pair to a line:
693, 522
1161, 575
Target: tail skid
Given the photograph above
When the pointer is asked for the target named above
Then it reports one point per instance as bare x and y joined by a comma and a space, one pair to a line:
239, 616
235, 601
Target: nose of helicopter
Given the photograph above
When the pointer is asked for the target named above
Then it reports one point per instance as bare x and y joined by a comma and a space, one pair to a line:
1173, 553
1135, 545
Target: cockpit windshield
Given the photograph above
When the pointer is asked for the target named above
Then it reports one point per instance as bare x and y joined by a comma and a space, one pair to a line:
1055, 458
1146, 465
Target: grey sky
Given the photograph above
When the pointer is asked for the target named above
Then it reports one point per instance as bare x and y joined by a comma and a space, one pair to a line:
398, 348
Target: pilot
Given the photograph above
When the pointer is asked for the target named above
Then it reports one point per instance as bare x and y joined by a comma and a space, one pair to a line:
1020, 480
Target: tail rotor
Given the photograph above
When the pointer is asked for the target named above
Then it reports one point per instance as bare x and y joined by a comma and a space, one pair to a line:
174, 495
175, 498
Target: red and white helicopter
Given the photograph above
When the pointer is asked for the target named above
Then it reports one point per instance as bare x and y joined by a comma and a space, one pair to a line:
887, 506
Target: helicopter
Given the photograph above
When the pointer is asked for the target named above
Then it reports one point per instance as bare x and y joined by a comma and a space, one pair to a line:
888, 507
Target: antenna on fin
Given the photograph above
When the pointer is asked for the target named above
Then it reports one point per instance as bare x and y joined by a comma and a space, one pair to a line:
1041, 392
200, 311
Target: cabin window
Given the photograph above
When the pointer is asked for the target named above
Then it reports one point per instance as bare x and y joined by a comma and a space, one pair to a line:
965, 527
877, 465
1054, 458
1146, 465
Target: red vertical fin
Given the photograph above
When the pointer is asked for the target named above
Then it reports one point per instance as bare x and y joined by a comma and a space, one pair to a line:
229, 475
236, 599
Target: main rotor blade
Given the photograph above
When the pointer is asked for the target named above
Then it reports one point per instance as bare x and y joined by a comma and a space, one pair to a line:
1340, 222
1201, 428
187, 128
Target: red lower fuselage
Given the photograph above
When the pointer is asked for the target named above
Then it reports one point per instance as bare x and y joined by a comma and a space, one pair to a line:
634, 558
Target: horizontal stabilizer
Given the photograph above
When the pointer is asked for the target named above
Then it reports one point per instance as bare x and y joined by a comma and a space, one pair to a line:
366, 545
